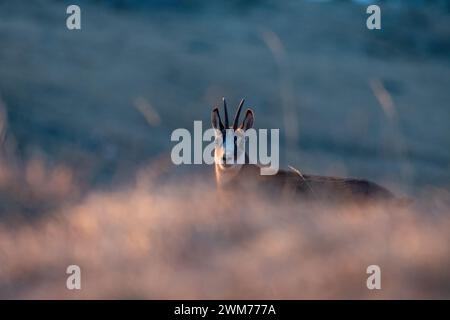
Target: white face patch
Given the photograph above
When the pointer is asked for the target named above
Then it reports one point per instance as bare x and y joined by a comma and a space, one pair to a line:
240, 146
229, 153
229, 147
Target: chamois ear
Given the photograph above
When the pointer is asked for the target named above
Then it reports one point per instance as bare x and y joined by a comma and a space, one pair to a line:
215, 119
248, 120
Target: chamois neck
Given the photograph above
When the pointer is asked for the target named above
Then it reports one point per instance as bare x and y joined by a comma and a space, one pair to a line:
226, 176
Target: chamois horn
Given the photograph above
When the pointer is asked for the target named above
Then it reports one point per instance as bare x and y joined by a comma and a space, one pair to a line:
238, 112
226, 112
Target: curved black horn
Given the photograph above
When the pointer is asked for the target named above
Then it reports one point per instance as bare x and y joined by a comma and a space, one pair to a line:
238, 112
226, 112
220, 124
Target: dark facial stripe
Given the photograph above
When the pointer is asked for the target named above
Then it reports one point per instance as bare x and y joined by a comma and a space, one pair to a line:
235, 147
224, 141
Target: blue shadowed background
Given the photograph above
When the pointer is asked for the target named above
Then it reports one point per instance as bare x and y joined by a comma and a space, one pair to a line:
348, 101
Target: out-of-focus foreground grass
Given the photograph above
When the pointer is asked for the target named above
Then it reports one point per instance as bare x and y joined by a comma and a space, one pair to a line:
181, 240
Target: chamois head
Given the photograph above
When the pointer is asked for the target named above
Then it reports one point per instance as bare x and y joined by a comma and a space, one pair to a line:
230, 147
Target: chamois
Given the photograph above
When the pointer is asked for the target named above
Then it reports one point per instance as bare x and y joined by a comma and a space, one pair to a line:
234, 172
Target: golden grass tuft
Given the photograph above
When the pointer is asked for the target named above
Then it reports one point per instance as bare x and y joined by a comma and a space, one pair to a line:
183, 241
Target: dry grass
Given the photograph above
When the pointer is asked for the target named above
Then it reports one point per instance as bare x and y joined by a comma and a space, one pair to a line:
184, 241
